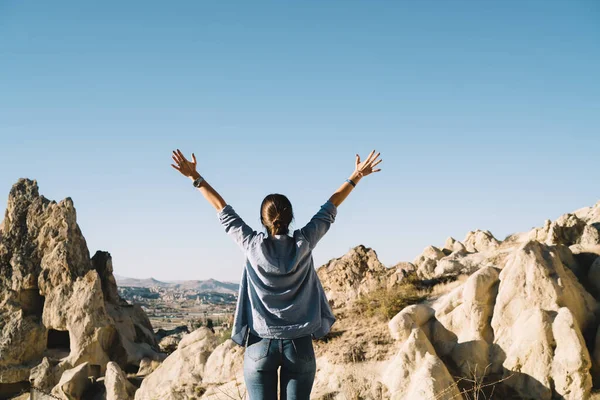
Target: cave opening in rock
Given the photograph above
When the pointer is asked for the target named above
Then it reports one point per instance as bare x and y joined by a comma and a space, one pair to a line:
58, 340
32, 302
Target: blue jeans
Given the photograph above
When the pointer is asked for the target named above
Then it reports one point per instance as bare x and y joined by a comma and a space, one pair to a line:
264, 356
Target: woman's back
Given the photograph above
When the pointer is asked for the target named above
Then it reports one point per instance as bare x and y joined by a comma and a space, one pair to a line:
280, 293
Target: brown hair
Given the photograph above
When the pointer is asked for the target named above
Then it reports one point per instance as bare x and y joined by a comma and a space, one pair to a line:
276, 214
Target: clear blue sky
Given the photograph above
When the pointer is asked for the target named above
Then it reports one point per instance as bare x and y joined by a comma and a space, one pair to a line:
487, 114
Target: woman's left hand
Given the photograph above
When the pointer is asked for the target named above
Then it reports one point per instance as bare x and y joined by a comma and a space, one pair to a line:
187, 168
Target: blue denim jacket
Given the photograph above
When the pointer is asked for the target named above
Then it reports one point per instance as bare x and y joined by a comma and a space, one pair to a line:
280, 294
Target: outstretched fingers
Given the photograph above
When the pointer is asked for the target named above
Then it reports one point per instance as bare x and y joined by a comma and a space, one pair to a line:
369, 157
374, 157
181, 155
176, 157
194, 158
176, 167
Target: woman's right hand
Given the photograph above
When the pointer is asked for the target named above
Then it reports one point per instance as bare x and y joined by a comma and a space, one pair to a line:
187, 168
366, 167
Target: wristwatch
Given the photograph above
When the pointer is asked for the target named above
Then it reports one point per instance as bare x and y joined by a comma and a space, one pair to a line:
198, 181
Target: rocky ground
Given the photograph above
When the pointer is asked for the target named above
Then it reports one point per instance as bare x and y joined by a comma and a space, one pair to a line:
511, 319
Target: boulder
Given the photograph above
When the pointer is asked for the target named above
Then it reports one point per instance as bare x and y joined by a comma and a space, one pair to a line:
73, 383
398, 273
458, 263
427, 261
45, 375
224, 363
590, 235
566, 230
453, 245
416, 372
116, 383
461, 328
182, 371
410, 318
480, 241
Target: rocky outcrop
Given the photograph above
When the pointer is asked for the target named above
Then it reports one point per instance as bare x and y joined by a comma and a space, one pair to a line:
458, 258
521, 316
59, 308
461, 329
480, 241
427, 261
540, 314
458, 263
579, 228
416, 372
358, 272
181, 372
453, 245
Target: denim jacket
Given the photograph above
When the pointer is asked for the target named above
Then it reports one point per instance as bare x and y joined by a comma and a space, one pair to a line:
280, 295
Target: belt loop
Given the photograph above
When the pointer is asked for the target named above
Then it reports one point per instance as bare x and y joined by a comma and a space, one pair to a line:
294, 344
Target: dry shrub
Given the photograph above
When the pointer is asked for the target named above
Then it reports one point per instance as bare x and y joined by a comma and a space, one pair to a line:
476, 385
387, 302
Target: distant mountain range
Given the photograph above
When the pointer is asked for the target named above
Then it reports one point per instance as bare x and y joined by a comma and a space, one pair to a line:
209, 285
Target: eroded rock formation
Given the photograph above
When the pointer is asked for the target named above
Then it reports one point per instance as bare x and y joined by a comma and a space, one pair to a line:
59, 308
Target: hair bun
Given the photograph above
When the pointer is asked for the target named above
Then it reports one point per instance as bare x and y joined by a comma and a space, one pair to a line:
276, 214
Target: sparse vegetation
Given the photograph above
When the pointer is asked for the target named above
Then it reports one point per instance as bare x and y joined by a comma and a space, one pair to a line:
361, 383
238, 393
476, 385
387, 302
223, 335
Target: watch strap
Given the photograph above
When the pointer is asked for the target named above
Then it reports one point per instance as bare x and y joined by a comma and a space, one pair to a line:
198, 181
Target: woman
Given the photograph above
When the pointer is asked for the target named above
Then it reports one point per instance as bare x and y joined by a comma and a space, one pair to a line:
281, 305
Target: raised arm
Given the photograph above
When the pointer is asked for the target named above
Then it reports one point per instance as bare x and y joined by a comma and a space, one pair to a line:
361, 170
188, 169
319, 224
234, 226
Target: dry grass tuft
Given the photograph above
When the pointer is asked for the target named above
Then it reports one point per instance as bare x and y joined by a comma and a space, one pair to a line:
387, 302
223, 334
236, 394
